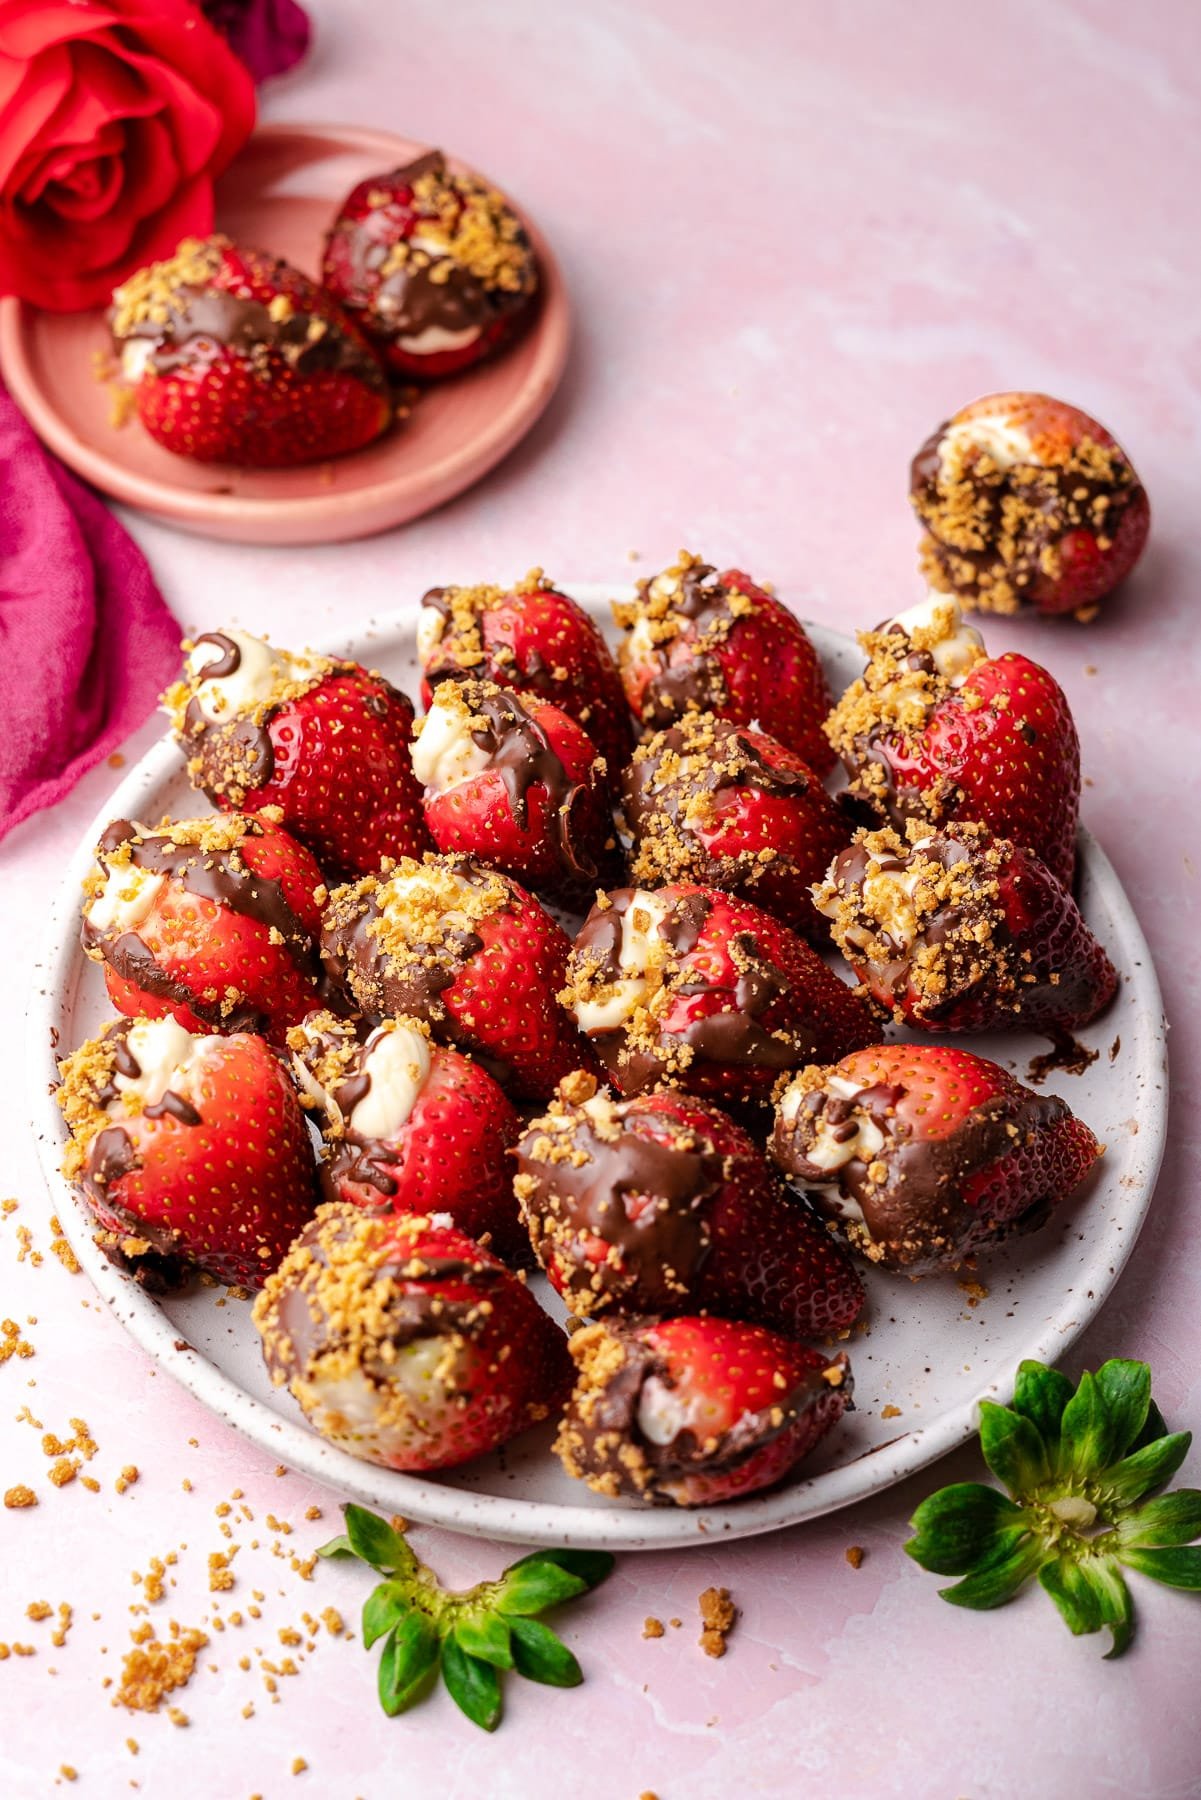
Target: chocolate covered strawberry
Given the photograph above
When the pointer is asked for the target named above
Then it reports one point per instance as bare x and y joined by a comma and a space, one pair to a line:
692, 986
924, 1155
937, 729
1027, 504
323, 746
215, 921
531, 638
516, 783
697, 641
411, 1125
405, 1342
191, 1151
433, 264
961, 931
234, 356
731, 808
661, 1204
469, 952
693, 1411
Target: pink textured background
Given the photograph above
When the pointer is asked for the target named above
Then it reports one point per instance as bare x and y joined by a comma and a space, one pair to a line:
797, 236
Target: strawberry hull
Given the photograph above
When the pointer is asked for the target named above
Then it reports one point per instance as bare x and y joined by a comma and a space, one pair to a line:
695, 1411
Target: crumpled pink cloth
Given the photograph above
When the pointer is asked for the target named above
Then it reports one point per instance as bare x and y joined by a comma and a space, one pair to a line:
86, 641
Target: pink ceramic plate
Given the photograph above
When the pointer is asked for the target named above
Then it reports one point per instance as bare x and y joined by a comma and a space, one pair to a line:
281, 193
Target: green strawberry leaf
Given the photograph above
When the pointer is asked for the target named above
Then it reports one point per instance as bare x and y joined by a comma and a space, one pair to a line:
1040, 1394
474, 1686
1146, 1468
337, 1547
541, 1656
1073, 1593
999, 1574
1125, 1390
1013, 1447
486, 1635
1086, 1432
1113, 1598
1155, 1427
383, 1608
1172, 1519
958, 1524
409, 1659
375, 1542
1178, 1568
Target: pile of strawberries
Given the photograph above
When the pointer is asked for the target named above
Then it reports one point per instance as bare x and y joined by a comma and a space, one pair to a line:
360, 1064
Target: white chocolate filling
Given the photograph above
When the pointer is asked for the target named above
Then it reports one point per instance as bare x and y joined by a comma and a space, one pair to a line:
167, 1056
959, 648
1005, 442
260, 669
445, 755
639, 944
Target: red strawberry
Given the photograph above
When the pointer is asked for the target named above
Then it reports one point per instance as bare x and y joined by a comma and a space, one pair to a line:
693, 1411
702, 642
323, 747
692, 986
236, 357
213, 921
432, 264
191, 1151
469, 952
516, 783
937, 729
729, 807
1028, 505
925, 1155
411, 1126
661, 1204
531, 638
961, 931
405, 1343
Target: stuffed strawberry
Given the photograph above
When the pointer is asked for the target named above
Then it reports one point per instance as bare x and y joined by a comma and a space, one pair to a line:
661, 1204
531, 638
693, 1411
731, 808
694, 987
323, 747
925, 1155
215, 921
1028, 505
234, 356
961, 931
469, 952
433, 265
937, 729
191, 1151
410, 1125
405, 1342
698, 641
516, 783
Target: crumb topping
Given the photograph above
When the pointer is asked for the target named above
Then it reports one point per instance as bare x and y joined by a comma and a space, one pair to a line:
153, 293
464, 221
901, 685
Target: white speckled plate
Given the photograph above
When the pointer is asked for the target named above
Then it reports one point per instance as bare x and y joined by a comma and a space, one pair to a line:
931, 1350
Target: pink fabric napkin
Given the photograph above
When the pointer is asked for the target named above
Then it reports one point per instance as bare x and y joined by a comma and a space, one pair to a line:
86, 641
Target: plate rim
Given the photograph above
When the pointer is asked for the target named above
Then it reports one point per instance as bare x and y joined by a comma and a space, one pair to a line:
316, 517
492, 1515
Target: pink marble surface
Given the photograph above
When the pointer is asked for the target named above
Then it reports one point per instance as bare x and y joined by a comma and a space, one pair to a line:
797, 237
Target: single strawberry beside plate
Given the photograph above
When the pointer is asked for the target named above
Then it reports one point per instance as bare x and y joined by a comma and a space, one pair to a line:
532, 638
662, 1204
405, 1342
411, 1125
516, 783
937, 729
1027, 504
233, 356
697, 641
433, 265
924, 1155
694, 1411
957, 930
191, 1151
323, 747
214, 921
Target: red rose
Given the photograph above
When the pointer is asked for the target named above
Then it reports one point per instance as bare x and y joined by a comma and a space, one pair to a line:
115, 117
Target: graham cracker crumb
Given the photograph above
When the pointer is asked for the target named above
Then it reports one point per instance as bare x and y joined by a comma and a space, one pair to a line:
718, 1616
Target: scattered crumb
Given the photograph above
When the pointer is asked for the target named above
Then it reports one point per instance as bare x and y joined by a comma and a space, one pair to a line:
855, 1554
652, 1628
718, 1614
974, 1291
19, 1496
116, 760
890, 1412
312, 1512
126, 1478
299, 1765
